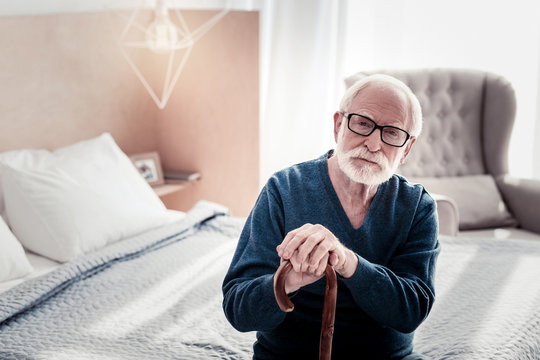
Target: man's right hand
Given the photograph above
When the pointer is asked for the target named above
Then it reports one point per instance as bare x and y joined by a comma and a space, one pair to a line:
297, 279
310, 247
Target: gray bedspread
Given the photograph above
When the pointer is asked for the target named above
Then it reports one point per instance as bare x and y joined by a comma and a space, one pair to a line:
487, 303
158, 296
153, 296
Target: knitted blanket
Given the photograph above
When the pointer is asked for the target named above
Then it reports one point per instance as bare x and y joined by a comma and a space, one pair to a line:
154, 296
158, 296
487, 301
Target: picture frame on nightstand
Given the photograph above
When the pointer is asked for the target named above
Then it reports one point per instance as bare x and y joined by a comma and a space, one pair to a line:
149, 166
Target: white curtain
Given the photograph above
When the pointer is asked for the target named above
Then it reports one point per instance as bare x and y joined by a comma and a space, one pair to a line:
309, 46
501, 36
300, 44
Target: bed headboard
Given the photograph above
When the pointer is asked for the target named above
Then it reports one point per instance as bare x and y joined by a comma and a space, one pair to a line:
63, 79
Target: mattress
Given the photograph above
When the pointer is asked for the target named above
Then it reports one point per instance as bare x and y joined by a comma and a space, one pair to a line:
158, 296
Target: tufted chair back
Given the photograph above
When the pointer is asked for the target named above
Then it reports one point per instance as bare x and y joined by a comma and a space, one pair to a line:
468, 118
461, 154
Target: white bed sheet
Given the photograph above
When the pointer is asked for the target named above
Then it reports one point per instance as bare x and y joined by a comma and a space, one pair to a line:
41, 265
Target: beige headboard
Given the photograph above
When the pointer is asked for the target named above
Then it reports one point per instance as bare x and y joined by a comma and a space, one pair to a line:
63, 79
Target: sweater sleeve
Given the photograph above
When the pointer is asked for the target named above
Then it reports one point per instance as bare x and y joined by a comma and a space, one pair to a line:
248, 293
401, 295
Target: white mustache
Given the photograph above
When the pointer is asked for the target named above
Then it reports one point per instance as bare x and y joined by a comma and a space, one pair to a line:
365, 154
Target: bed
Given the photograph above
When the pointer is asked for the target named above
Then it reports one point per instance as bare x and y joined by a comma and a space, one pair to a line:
487, 301
149, 285
158, 296
152, 296
94, 266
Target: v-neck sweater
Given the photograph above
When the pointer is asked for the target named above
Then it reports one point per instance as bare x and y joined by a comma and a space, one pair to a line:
378, 308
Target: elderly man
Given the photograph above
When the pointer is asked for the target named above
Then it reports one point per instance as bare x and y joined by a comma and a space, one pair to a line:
349, 209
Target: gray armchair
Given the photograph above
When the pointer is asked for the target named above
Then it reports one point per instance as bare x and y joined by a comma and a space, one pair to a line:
461, 155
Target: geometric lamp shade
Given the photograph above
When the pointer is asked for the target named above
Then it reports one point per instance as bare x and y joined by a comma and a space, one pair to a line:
167, 41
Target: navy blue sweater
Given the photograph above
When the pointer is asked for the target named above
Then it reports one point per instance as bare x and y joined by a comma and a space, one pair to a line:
378, 308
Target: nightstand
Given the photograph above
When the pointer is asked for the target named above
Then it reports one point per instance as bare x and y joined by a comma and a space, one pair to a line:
169, 187
176, 182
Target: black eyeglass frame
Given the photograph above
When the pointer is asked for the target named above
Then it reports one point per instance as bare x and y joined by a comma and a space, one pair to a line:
350, 115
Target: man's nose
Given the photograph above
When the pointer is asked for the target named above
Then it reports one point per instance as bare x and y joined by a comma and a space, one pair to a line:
373, 141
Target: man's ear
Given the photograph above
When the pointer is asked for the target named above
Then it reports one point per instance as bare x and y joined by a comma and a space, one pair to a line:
338, 119
408, 147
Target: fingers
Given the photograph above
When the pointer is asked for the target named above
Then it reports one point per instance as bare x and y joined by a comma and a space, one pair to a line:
310, 247
346, 264
293, 240
323, 249
295, 280
302, 241
333, 260
320, 268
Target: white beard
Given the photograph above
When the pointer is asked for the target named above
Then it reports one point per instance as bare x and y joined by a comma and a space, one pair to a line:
369, 174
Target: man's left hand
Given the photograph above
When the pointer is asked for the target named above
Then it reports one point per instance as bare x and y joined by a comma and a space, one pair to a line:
306, 246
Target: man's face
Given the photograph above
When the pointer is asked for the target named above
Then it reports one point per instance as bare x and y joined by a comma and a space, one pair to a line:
366, 159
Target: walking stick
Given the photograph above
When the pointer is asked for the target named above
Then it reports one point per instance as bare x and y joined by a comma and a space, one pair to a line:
329, 307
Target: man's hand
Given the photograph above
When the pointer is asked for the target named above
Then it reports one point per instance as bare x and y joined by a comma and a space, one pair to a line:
309, 248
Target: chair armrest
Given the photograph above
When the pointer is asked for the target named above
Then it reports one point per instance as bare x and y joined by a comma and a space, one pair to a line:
522, 196
448, 214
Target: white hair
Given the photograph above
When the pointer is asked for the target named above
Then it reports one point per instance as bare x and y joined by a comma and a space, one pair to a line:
415, 110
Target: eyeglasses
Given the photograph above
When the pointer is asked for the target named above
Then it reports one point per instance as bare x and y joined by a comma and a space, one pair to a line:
364, 126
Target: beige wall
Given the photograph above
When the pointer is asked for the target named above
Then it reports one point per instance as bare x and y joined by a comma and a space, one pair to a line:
63, 79
211, 122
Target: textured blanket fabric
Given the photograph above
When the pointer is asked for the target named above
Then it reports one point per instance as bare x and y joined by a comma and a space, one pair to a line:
153, 296
487, 301
158, 296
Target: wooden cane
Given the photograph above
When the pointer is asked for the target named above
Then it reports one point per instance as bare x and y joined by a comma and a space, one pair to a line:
329, 307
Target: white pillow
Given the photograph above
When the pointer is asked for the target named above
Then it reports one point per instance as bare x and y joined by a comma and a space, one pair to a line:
102, 149
34, 159
103, 154
13, 261
78, 199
